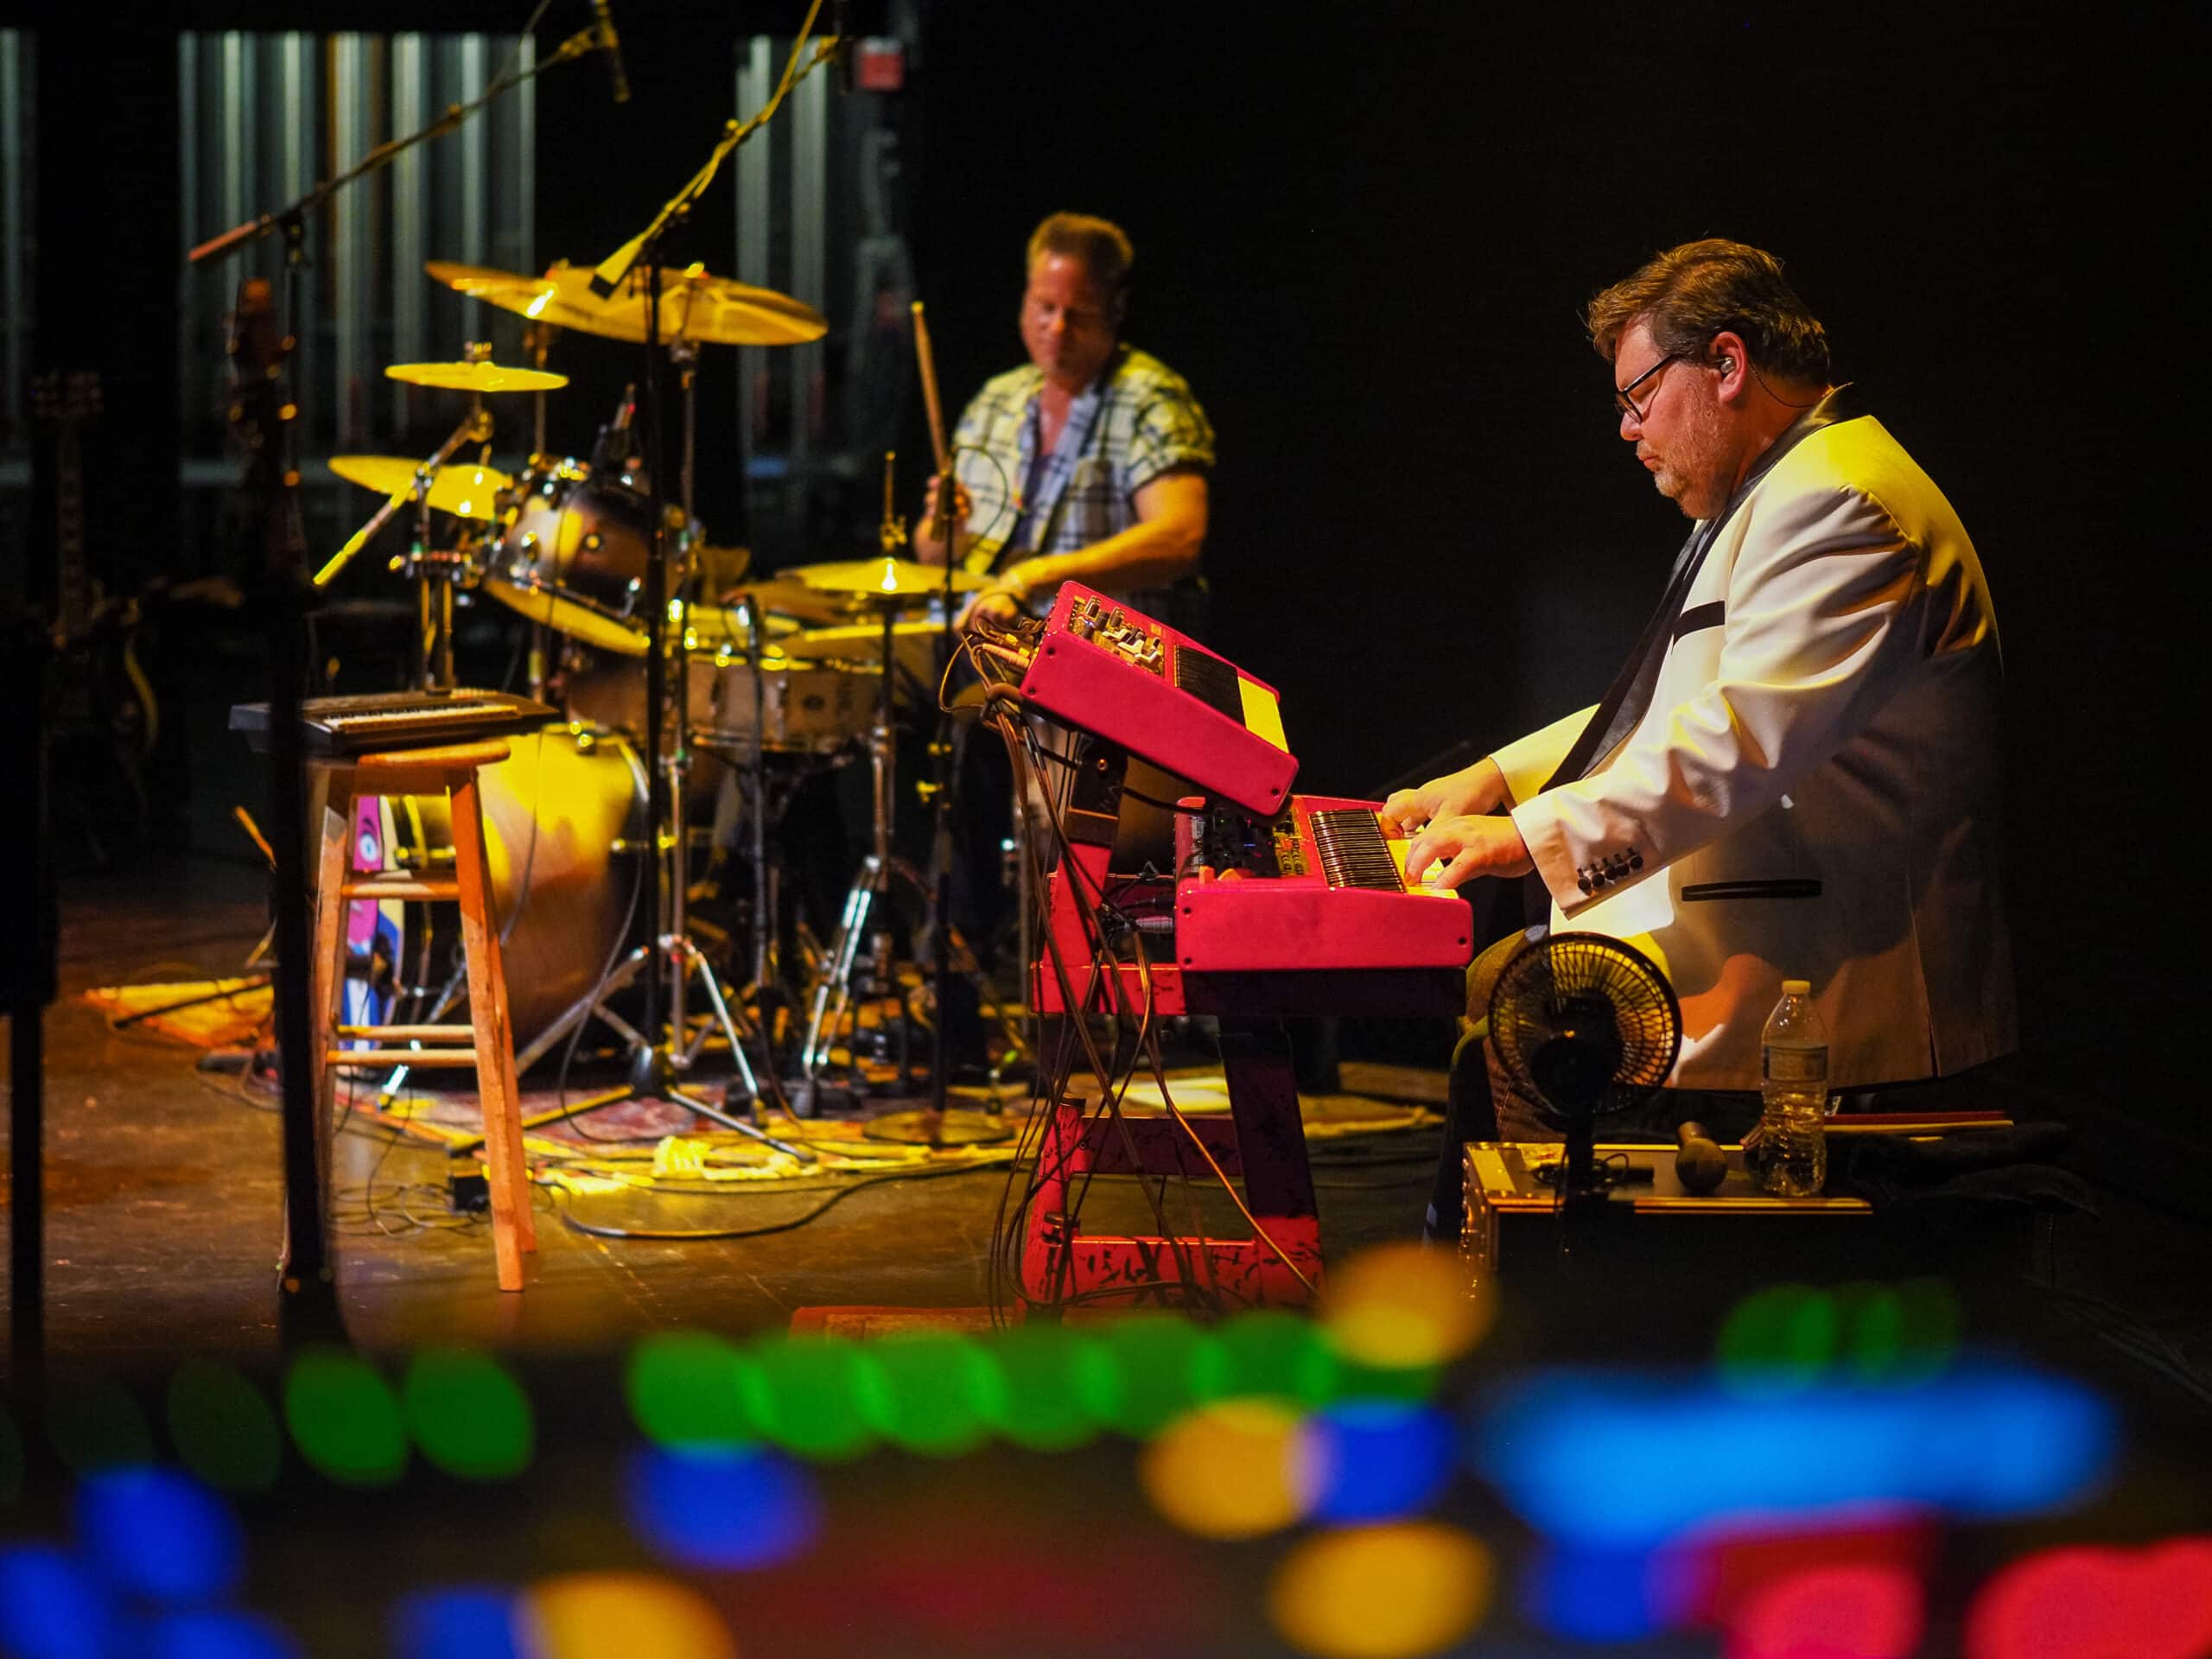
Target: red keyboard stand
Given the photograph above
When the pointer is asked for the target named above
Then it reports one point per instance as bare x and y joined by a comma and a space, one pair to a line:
1264, 1142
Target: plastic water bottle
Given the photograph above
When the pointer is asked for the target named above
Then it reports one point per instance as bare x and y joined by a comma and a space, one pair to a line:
1794, 1082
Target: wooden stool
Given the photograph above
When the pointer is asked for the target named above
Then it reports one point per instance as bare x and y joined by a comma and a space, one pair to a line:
487, 1042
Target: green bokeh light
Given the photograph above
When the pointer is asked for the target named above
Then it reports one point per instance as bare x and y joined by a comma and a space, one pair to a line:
1055, 1385
1928, 1323
468, 1415
222, 1429
1275, 1352
345, 1420
687, 1388
1353, 1380
816, 1396
95, 1424
1159, 1367
1780, 1339
936, 1394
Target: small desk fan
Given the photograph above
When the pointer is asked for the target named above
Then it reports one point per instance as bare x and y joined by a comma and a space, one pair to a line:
1588, 1027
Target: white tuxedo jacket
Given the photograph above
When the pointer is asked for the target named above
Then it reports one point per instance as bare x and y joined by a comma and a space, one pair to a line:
1813, 790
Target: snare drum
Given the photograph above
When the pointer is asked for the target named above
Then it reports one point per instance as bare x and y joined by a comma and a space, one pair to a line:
573, 553
798, 708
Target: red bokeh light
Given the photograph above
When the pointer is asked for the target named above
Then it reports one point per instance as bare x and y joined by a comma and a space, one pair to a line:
2088, 1602
1860, 1610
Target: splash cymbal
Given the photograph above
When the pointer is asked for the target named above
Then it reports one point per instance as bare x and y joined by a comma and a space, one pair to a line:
475, 377
694, 306
463, 491
885, 578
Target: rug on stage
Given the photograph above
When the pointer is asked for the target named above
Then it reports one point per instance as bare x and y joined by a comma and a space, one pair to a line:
203, 1012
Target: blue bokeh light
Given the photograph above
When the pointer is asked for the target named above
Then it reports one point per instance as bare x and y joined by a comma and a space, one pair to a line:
51, 1605
718, 1507
1621, 1462
458, 1622
160, 1534
1373, 1459
1602, 1595
215, 1636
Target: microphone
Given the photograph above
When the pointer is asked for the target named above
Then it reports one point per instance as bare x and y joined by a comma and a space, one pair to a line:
610, 43
1699, 1164
838, 26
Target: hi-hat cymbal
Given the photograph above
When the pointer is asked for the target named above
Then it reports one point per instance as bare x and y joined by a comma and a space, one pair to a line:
786, 595
475, 377
710, 310
463, 491
885, 578
713, 627
856, 641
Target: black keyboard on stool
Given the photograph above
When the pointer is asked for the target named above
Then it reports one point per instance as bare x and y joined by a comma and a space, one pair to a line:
399, 720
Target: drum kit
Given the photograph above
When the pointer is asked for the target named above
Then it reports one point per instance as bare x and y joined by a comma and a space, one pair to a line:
777, 678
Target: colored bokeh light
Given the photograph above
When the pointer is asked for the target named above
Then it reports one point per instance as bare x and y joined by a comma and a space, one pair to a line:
1372, 1460
51, 1607
1381, 1593
1055, 1386
1619, 1462
1779, 1338
1848, 1612
1272, 1351
1599, 1595
160, 1534
591, 1615
2098, 1603
455, 1622
1156, 1368
345, 1420
1400, 1306
1788, 1337
807, 1396
222, 1429
721, 1507
686, 1388
213, 1635
1226, 1469
95, 1424
935, 1394
466, 1415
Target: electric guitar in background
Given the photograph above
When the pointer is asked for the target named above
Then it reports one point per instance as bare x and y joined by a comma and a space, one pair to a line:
100, 708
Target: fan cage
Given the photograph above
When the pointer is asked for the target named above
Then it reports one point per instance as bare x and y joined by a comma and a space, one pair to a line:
1545, 975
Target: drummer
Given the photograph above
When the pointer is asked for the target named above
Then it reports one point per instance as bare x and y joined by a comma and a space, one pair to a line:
1088, 463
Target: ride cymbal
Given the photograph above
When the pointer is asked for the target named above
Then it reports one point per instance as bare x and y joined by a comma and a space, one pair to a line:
463, 491
694, 306
475, 377
885, 578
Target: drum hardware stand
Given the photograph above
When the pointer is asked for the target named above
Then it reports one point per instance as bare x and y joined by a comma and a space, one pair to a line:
659, 1065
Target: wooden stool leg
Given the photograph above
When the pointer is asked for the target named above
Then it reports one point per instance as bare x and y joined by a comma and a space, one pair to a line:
513, 1229
326, 972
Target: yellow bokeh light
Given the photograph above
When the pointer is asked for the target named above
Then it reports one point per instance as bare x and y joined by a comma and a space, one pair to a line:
1401, 1306
1226, 1471
586, 1615
1381, 1592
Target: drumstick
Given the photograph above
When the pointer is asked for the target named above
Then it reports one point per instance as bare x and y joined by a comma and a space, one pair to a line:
927, 358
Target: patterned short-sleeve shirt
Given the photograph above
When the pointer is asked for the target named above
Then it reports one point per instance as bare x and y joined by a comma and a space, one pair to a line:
1137, 421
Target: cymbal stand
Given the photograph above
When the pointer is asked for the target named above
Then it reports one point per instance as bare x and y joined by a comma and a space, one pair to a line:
870, 885
538, 341
659, 1067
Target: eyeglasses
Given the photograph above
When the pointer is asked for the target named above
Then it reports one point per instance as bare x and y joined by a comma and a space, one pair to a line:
1624, 404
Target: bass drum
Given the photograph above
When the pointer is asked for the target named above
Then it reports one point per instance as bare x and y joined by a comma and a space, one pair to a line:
564, 827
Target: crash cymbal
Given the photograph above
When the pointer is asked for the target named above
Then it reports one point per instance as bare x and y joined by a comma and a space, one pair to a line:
886, 578
465, 492
475, 377
856, 641
709, 310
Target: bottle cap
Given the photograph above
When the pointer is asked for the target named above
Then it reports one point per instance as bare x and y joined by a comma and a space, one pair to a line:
1796, 987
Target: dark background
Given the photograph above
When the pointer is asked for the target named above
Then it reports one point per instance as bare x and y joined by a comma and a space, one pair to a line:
1365, 233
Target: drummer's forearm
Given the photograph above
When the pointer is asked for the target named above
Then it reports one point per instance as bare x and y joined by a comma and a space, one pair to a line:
1152, 553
